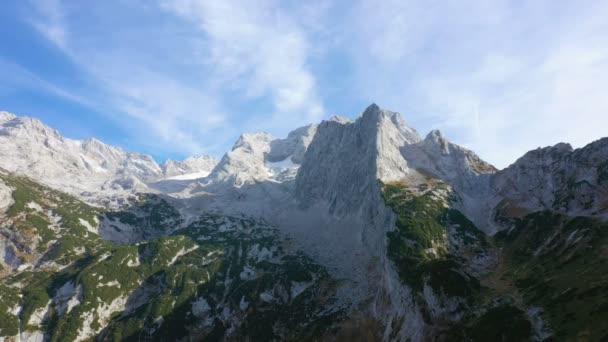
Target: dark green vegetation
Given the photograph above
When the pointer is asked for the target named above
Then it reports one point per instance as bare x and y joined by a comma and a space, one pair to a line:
499, 323
149, 216
550, 266
560, 263
602, 172
9, 300
220, 276
47, 225
420, 246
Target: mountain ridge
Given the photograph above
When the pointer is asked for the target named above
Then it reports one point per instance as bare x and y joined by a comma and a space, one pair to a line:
411, 238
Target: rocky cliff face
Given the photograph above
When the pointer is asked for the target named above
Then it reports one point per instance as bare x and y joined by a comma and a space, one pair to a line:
345, 160
29, 147
197, 167
259, 156
343, 228
574, 182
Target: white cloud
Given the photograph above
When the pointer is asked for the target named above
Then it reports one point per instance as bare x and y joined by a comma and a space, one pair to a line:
500, 77
16, 77
258, 48
163, 112
249, 48
49, 20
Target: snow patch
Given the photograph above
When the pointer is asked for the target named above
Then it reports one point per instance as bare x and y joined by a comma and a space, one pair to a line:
113, 283
190, 176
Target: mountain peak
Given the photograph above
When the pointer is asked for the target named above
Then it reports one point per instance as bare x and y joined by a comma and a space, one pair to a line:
372, 112
339, 119
435, 135
6, 116
373, 107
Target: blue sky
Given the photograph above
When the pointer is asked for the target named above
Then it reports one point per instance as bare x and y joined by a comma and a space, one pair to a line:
182, 77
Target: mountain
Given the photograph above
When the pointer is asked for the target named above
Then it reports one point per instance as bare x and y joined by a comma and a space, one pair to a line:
215, 275
189, 168
343, 230
82, 167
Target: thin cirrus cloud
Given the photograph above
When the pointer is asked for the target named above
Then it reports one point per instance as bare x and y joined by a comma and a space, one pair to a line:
499, 77
259, 49
174, 83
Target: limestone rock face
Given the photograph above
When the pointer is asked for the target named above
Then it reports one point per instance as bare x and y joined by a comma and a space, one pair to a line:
574, 182
345, 159
259, 156
292, 147
201, 165
29, 147
390, 227
245, 163
6, 198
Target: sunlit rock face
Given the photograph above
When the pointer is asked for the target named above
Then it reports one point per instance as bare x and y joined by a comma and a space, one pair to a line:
343, 228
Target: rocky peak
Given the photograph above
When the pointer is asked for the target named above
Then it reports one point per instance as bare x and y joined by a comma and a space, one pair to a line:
191, 165
28, 127
292, 147
259, 156
30, 147
345, 159
339, 119
435, 139
559, 178
442, 158
6, 116
245, 162
545, 155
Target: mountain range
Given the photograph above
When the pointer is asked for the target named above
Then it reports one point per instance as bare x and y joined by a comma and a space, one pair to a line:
343, 230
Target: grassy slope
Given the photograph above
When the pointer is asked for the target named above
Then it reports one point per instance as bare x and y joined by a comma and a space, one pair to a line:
419, 244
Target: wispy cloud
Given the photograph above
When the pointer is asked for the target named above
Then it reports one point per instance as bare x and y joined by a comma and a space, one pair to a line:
166, 111
500, 77
258, 48
250, 48
14, 76
49, 17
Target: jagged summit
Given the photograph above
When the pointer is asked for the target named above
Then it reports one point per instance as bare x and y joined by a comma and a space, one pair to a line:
339, 119
259, 156
6, 116
546, 154
191, 167
28, 146
558, 178
344, 160
345, 224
